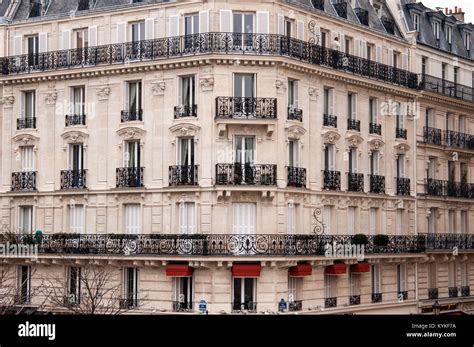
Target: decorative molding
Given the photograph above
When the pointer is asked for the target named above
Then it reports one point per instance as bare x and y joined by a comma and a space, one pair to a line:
103, 92
25, 140
131, 133
207, 83
313, 92
295, 132
375, 144
74, 136
401, 148
280, 86
158, 87
331, 137
7, 101
185, 130
353, 140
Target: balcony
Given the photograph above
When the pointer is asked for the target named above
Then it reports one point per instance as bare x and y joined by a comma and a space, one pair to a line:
455, 139
75, 119
128, 303
355, 182
183, 175
294, 306
432, 136
401, 133
376, 297
434, 187
131, 115
246, 108
353, 124
249, 306
71, 300
403, 295
296, 177
237, 174
220, 245
341, 8
73, 179
330, 121
403, 186
131, 177
447, 242
446, 88
295, 114
26, 123
377, 184
330, 302
363, 15
331, 180
318, 4
183, 111
375, 128
465, 291
432, 293
354, 300
388, 24
24, 181
453, 292
182, 306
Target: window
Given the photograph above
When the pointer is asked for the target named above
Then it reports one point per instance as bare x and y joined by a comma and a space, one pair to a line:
243, 24
244, 294
452, 274
375, 278
329, 286
432, 276
329, 160
27, 158
449, 33
456, 75
76, 157
291, 218
399, 221
187, 93
462, 124
354, 284
183, 293
370, 51
351, 106
293, 153
464, 217
396, 57
436, 29
329, 101
185, 155
131, 156
137, 31
133, 104
451, 221
324, 36
351, 215
401, 278
451, 170
245, 215
76, 218
373, 108
73, 285
400, 118
244, 85
288, 27
353, 160
28, 105
424, 65
32, 48
401, 166
431, 168
373, 214
375, 163
78, 100
132, 219
191, 24
416, 22
130, 287
429, 119
292, 94
431, 221
82, 38
187, 217
294, 284
244, 150
443, 71
327, 219
25, 222
467, 41
465, 274
24, 284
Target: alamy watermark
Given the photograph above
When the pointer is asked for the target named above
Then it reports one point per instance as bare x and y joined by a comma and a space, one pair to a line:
12, 250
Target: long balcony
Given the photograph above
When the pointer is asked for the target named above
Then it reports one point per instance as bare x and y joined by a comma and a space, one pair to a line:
131, 115
26, 123
432, 136
375, 128
355, 182
434, 187
213, 244
377, 184
447, 242
183, 111
246, 108
237, 174
331, 180
296, 176
131, 177
448, 138
75, 119
295, 114
183, 175
403, 186
24, 181
330, 120
447, 88
353, 124
73, 179
205, 44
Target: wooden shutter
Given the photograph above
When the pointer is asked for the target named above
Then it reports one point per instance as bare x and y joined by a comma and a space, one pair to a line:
149, 28
280, 24
378, 55
43, 42
66, 39
263, 22
203, 21
300, 30
174, 25
226, 21
92, 32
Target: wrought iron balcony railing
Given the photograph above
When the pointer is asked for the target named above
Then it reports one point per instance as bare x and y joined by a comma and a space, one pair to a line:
295, 114
246, 108
183, 175
24, 181
457, 139
375, 128
376, 297
447, 242
331, 180
465, 291
377, 184
296, 176
129, 177
452, 189
432, 293
355, 182
296, 305
73, 179
432, 136
182, 306
208, 43
388, 24
128, 303
447, 88
401, 133
453, 292
248, 306
341, 8
363, 15
75, 119
182, 111
71, 300
403, 186
330, 302
233, 245
131, 115
26, 123
236, 174
353, 124
354, 300
22, 298
330, 121
403, 295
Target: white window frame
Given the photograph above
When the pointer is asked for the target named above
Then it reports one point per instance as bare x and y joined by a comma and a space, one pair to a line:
376, 286
416, 22
328, 103
351, 219
21, 227
291, 222
76, 218
402, 278
132, 219
187, 217
373, 220
244, 218
32, 102
27, 156
136, 280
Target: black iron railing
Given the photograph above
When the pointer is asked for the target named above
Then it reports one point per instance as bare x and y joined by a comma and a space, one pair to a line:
75, 119
354, 300
341, 8
296, 176
71, 300
353, 124
447, 88
331, 180
182, 306
208, 43
330, 302
128, 303
401, 133
447, 242
388, 24
295, 114
403, 186
182, 111
376, 297
246, 107
432, 293
183, 175
457, 139
432, 136
129, 177
375, 128
403, 295
73, 179
436, 187
296, 305
377, 184
330, 120
24, 181
248, 306
26, 123
131, 115
363, 15
235, 174
453, 292
355, 182
465, 291
22, 298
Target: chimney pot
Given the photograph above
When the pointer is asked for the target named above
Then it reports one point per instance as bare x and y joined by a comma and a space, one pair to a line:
460, 10
445, 10
450, 11
455, 9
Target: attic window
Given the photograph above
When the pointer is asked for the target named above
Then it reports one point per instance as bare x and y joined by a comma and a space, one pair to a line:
83, 5
35, 9
467, 41
318, 4
416, 22
449, 33
436, 29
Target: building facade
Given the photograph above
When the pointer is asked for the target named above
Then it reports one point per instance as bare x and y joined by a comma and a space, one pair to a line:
213, 150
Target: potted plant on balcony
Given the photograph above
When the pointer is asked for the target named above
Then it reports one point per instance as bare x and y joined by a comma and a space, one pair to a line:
380, 240
360, 239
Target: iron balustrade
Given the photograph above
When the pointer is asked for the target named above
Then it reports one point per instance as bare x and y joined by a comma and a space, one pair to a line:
75, 119
363, 15
128, 303
453, 189
73, 179
296, 305
179, 306
295, 114
453, 292
465, 291
71, 300
131, 115
355, 182
375, 128
376, 297
26, 123
248, 306
208, 43
330, 120
331, 180
296, 176
182, 111
377, 184
401, 133
22, 298
447, 241
403, 295
388, 24
341, 8
246, 108
233, 245
183, 175
432, 136
354, 300
403, 186
457, 139
353, 124
236, 174
129, 177
24, 181
330, 302
441, 86
432, 293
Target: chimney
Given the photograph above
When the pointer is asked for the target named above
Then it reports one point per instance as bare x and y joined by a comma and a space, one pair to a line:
458, 14
446, 11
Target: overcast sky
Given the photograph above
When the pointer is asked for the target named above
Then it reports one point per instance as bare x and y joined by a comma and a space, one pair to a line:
466, 5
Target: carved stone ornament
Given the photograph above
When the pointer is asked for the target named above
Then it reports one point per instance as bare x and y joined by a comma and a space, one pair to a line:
51, 97
401, 148
103, 93
295, 132
313, 92
158, 88
25, 140
331, 137
354, 140
207, 83
185, 130
131, 133
7, 101
280, 86
75, 136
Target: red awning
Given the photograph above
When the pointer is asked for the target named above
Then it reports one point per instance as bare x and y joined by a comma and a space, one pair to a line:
301, 270
360, 267
179, 270
246, 270
336, 269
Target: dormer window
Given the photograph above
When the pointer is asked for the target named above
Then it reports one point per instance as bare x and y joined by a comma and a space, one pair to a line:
436, 30
35, 8
416, 22
84, 5
449, 33
467, 41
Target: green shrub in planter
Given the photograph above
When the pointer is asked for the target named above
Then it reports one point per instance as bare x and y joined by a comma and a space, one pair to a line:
359, 239
381, 240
